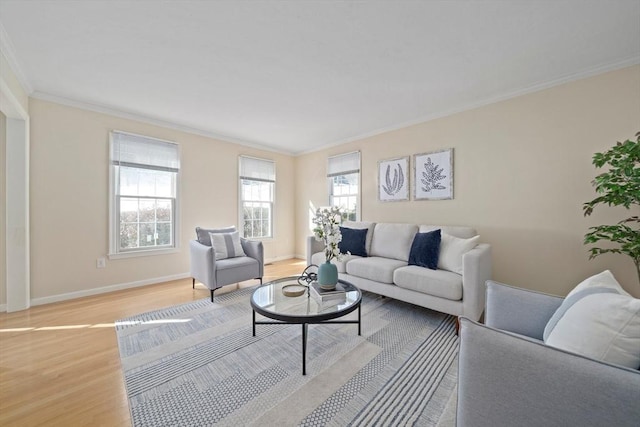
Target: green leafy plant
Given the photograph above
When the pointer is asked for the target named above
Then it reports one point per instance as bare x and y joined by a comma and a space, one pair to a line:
619, 186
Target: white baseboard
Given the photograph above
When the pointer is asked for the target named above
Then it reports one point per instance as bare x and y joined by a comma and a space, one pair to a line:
106, 289
121, 286
278, 258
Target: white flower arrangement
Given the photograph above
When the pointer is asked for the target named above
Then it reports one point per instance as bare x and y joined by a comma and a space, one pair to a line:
327, 221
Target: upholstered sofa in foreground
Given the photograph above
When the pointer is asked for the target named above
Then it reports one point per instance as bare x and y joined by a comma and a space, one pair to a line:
456, 289
509, 377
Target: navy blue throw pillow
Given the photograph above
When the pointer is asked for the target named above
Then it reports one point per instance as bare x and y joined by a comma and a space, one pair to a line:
353, 241
425, 249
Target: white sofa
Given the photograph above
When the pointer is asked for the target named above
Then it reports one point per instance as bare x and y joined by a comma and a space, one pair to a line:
385, 271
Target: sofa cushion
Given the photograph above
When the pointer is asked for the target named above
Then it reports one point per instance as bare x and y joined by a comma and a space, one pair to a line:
318, 258
353, 241
452, 249
439, 283
393, 240
425, 250
226, 245
451, 230
202, 234
598, 319
374, 268
360, 225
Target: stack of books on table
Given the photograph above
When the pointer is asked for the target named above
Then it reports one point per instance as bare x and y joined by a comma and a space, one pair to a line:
327, 298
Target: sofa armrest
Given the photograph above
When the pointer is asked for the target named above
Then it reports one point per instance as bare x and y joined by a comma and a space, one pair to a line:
476, 268
518, 310
505, 379
202, 260
313, 246
255, 250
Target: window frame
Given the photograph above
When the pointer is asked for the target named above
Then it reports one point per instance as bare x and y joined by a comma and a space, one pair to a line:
344, 172
241, 200
115, 252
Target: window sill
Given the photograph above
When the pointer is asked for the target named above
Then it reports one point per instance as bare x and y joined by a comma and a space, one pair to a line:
259, 239
150, 252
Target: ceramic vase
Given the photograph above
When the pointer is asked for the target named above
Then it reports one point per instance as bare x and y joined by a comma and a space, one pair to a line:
327, 275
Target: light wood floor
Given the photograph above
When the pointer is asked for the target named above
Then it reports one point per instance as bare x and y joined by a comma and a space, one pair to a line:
59, 363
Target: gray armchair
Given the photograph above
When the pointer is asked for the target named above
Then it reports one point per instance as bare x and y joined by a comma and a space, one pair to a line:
215, 274
508, 377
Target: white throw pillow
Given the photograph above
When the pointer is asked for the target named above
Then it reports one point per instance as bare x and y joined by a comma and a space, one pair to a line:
598, 319
226, 245
451, 251
393, 241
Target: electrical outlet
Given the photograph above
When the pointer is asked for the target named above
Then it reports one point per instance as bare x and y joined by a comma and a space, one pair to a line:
101, 262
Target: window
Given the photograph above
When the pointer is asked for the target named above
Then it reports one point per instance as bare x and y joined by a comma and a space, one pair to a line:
343, 174
144, 181
257, 189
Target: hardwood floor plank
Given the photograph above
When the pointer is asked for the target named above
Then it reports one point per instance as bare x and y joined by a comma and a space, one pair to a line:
60, 365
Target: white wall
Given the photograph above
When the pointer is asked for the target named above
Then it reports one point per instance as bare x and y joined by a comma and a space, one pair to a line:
15, 175
522, 172
69, 199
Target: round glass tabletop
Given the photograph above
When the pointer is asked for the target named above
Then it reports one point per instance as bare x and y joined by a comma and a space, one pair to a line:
270, 301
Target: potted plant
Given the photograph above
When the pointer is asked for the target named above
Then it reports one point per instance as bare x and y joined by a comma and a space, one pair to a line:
619, 186
327, 231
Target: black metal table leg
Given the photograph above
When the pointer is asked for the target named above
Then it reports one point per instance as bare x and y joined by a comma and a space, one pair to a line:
254, 323
359, 317
304, 349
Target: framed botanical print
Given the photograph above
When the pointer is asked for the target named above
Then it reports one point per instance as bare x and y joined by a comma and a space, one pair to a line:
393, 179
433, 175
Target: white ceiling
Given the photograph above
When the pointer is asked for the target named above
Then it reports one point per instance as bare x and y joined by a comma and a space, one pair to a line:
295, 76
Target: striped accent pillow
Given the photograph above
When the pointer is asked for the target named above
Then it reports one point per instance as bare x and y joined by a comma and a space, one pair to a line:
202, 234
598, 319
226, 245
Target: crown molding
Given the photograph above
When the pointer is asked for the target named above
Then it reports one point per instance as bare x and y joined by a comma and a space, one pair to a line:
590, 72
97, 108
9, 105
6, 47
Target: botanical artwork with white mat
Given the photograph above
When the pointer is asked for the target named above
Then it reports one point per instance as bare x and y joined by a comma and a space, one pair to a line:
433, 175
393, 179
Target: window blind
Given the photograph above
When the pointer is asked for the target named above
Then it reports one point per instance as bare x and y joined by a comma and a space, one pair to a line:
257, 169
143, 152
343, 164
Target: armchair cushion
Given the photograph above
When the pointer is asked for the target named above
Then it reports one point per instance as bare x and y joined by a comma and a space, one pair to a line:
203, 237
600, 320
226, 245
238, 269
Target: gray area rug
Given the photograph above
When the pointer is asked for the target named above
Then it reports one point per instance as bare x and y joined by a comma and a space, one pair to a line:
197, 364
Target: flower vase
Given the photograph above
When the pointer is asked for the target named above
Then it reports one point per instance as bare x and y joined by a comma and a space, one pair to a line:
327, 275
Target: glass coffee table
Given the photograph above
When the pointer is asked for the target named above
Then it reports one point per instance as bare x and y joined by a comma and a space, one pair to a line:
269, 301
